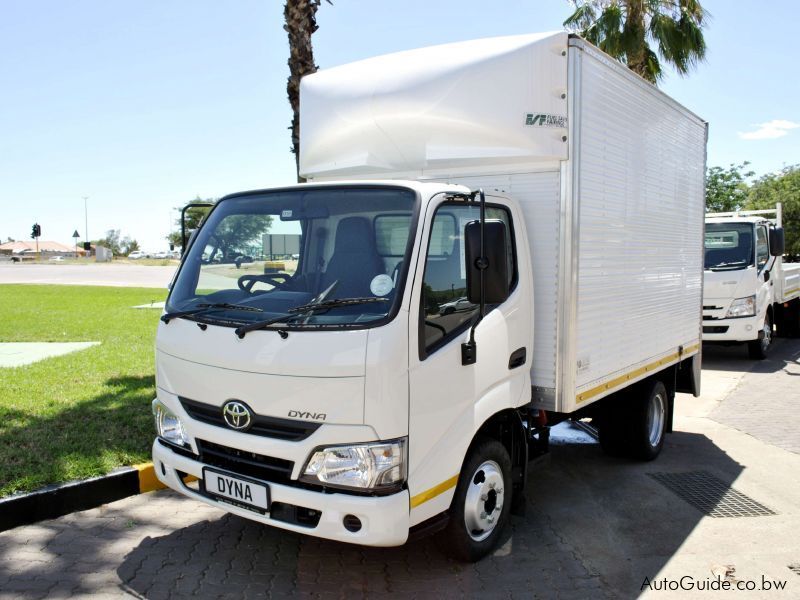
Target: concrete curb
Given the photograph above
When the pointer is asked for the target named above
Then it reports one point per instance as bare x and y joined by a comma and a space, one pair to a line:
61, 499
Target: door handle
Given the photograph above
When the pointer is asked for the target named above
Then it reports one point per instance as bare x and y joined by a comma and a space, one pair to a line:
517, 358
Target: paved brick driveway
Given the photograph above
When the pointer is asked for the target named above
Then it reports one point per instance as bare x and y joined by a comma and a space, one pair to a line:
161, 545
766, 403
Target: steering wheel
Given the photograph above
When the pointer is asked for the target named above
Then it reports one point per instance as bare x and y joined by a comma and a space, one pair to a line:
247, 281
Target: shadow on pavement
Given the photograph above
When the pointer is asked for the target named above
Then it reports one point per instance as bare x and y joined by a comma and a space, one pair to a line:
734, 358
595, 527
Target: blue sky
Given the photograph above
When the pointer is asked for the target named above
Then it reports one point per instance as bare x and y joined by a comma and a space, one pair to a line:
143, 105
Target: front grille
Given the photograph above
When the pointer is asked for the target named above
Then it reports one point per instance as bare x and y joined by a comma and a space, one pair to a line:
716, 329
243, 462
712, 307
282, 429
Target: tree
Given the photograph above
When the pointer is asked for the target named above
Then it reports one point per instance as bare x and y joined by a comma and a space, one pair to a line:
300, 18
726, 188
118, 245
130, 246
784, 187
626, 29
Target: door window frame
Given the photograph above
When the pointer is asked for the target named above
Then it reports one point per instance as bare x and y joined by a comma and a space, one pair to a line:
424, 350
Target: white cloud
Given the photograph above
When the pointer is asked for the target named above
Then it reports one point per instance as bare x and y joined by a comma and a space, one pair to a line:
770, 130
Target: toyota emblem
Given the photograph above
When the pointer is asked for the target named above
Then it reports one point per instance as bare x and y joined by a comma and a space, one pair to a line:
237, 415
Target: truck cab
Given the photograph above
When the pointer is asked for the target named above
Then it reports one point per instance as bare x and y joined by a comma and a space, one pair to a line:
314, 378
745, 280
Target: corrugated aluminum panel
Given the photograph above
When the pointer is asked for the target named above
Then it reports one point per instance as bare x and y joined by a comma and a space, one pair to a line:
539, 197
640, 209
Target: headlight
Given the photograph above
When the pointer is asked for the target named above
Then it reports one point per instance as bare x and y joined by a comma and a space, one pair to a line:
742, 307
378, 466
168, 426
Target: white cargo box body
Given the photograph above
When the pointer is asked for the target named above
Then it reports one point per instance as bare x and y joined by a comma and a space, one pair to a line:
609, 172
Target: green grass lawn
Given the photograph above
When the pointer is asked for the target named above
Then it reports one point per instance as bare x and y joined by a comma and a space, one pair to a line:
82, 414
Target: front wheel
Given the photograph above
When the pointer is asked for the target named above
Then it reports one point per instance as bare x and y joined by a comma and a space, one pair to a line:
482, 502
759, 349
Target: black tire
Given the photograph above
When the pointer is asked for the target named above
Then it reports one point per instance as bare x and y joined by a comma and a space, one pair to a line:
633, 423
458, 540
649, 413
759, 349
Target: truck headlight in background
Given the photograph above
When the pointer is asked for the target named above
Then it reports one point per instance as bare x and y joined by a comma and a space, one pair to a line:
168, 425
376, 466
742, 307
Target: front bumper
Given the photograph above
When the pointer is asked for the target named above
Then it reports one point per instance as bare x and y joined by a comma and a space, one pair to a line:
744, 329
385, 520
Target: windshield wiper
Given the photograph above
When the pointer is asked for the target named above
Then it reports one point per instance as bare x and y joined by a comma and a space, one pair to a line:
203, 307
299, 311
314, 306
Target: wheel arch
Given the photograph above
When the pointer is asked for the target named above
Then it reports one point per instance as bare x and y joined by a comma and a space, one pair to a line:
506, 427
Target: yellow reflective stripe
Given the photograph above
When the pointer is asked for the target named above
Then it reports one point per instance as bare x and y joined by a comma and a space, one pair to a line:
792, 291
610, 385
434, 491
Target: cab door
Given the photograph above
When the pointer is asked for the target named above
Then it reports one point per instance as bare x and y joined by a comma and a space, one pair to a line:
448, 400
764, 296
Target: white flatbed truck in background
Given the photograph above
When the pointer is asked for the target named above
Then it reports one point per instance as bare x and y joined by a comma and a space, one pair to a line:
495, 235
749, 292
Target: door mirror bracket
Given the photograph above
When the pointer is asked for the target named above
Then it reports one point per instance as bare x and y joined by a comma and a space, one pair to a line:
487, 268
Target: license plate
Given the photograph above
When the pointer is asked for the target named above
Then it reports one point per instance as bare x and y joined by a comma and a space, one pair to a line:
237, 490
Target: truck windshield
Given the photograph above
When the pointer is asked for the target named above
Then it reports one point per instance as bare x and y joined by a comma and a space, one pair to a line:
261, 255
728, 246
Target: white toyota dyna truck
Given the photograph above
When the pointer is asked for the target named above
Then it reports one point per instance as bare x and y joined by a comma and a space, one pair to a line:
749, 292
494, 236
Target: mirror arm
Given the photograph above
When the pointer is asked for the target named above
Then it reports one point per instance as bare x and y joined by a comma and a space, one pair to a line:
183, 220
469, 350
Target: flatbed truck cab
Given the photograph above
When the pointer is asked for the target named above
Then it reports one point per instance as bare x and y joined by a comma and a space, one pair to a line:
378, 352
749, 292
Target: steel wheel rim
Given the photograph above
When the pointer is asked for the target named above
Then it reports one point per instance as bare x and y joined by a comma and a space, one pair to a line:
655, 419
767, 339
483, 504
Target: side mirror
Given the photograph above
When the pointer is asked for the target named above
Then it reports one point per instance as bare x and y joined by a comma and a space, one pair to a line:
495, 268
777, 242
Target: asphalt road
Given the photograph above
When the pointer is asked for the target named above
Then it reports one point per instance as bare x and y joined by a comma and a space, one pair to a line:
595, 526
121, 275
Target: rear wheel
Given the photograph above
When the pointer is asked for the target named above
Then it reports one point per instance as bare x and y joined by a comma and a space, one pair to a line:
481, 504
634, 423
759, 349
649, 422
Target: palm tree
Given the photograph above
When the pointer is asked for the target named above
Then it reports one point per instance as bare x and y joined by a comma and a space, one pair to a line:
625, 29
300, 18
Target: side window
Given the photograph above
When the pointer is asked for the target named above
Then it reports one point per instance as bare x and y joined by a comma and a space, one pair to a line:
762, 247
445, 310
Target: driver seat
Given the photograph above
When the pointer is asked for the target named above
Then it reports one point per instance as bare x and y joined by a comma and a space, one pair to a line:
355, 261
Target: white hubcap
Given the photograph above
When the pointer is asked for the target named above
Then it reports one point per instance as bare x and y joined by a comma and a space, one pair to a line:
655, 419
484, 500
